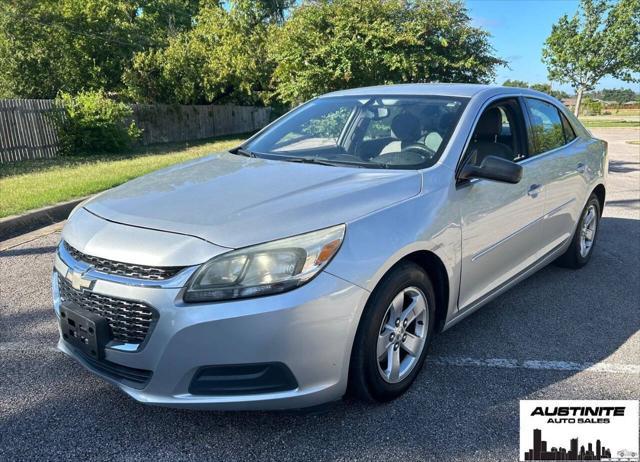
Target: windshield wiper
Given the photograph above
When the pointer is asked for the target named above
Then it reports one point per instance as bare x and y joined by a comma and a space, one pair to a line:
308, 160
331, 163
244, 152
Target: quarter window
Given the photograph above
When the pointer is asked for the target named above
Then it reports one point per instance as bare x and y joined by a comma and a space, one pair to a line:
547, 126
569, 134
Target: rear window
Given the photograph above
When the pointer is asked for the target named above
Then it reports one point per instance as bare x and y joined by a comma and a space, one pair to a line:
546, 124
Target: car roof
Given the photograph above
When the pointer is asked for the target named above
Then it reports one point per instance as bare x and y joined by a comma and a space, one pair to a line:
465, 90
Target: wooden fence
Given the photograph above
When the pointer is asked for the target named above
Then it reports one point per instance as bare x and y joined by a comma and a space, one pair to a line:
26, 131
164, 123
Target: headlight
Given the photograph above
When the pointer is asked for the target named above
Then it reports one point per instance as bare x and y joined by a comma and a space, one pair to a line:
265, 269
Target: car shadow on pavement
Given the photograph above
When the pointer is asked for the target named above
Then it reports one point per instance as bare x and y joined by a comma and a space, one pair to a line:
451, 412
622, 166
27, 251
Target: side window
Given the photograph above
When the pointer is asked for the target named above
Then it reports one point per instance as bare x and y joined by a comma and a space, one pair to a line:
495, 134
547, 127
569, 134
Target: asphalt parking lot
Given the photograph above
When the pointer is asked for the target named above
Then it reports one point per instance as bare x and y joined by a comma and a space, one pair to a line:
561, 334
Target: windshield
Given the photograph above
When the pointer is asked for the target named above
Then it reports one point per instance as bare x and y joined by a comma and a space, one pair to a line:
406, 132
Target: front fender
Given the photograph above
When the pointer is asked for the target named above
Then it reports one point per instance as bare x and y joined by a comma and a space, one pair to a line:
376, 242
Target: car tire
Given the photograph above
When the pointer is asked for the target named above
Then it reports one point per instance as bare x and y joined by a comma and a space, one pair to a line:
584, 238
378, 380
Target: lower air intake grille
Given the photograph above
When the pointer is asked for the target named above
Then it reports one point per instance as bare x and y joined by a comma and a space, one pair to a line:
137, 378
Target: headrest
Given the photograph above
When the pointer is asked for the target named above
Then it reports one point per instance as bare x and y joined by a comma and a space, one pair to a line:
490, 123
446, 121
430, 116
406, 127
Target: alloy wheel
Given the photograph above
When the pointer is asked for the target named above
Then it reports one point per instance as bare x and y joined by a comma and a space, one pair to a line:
402, 334
588, 230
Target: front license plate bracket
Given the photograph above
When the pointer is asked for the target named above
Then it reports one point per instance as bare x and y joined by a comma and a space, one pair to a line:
86, 331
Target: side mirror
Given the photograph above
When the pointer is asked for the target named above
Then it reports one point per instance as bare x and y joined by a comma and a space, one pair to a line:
493, 168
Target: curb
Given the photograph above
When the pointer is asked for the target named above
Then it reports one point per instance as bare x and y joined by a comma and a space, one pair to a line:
19, 224
31, 236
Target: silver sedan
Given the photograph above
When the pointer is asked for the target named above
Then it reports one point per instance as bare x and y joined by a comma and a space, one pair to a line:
322, 255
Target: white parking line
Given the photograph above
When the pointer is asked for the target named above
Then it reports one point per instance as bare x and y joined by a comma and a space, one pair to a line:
503, 363
455, 361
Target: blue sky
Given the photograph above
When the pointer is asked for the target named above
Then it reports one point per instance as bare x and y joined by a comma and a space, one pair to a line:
519, 29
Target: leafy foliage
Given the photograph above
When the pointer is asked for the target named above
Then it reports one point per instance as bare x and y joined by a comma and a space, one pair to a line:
329, 125
515, 83
591, 107
543, 87
548, 138
600, 39
221, 59
278, 52
91, 123
331, 45
619, 95
70, 45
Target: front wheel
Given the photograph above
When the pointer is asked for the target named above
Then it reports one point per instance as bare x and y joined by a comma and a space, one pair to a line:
579, 252
393, 335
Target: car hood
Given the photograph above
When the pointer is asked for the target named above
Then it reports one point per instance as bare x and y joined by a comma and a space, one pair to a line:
235, 201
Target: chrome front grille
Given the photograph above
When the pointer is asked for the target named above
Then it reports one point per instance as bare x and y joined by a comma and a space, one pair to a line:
129, 321
104, 265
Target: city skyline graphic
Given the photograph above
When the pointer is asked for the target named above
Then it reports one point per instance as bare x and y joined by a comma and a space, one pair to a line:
541, 451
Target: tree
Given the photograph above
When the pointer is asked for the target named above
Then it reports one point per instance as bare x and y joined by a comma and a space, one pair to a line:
331, 45
515, 83
600, 39
619, 95
51, 45
262, 11
548, 89
222, 59
543, 87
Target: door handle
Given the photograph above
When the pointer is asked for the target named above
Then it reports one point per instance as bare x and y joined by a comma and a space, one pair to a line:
580, 168
534, 190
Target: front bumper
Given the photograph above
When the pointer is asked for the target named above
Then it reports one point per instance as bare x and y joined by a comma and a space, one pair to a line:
310, 330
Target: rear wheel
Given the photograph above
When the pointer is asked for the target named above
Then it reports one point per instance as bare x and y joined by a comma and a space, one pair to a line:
579, 252
394, 334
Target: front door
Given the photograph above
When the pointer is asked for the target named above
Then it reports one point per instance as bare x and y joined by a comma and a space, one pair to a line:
501, 222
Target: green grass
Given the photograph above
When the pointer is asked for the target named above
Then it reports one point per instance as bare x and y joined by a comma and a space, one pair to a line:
33, 184
609, 123
624, 111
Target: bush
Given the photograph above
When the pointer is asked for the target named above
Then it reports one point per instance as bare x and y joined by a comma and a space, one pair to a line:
591, 107
91, 123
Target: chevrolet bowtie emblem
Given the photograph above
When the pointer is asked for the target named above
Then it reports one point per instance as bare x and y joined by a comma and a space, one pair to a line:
78, 282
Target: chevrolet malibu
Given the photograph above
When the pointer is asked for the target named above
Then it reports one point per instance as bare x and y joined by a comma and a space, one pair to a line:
322, 255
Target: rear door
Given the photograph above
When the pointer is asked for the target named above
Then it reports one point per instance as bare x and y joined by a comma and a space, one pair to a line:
563, 163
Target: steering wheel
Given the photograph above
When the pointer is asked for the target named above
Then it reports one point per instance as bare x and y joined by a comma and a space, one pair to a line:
421, 150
